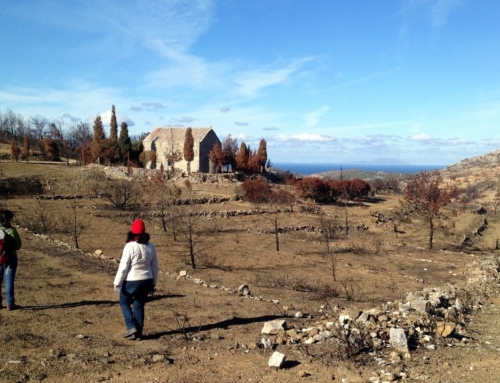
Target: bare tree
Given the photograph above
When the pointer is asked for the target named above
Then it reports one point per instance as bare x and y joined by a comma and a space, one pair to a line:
167, 193
15, 150
174, 213
40, 219
57, 134
229, 152
73, 225
216, 157
95, 180
26, 148
330, 231
173, 154
189, 228
38, 125
427, 196
123, 193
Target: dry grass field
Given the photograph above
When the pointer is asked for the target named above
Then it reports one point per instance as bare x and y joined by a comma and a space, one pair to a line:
69, 326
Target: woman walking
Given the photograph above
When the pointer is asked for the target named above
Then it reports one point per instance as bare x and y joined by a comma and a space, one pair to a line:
136, 278
8, 269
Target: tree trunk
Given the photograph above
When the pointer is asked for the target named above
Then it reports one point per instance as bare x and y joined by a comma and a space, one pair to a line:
276, 232
174, 229
431, 232
334, 267
346, 220
163, 220
191, 247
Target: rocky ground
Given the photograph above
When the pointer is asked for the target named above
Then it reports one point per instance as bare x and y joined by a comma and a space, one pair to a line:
201, 328
69, 329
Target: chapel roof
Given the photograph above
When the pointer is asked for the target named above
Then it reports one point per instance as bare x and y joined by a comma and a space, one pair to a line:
177, 134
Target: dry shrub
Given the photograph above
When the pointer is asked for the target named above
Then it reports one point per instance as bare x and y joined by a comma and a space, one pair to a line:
96, 181
256, 190
352, 289
40, 219
123, 193
283, 281
324, 292
212, 261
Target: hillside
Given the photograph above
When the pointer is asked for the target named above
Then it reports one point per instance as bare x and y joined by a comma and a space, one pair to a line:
339, 305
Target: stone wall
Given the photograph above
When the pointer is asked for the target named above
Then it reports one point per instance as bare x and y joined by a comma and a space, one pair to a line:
20, 186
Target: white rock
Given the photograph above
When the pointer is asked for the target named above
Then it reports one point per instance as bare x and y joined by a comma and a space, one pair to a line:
266, 343
276, 360
310, 340
274, 327
398, 339
344, 318
243, 290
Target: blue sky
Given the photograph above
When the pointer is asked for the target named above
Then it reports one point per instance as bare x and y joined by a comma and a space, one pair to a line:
323, 81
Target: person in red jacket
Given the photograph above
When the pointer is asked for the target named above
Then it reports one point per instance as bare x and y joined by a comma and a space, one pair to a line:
136, 278
9, 269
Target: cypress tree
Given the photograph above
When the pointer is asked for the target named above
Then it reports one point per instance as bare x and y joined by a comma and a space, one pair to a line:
113, 132
262, 155
97, 139
189, 148
124, 143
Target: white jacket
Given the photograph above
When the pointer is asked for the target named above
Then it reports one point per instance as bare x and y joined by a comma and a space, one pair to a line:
139, 262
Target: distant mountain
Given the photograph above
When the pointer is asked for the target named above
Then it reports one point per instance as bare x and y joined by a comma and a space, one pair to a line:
487, 160
383, 161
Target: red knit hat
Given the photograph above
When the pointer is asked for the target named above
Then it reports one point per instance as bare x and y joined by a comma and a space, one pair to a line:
138, 227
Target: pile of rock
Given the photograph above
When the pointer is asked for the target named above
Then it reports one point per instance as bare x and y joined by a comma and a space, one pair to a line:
429, 318
422, 319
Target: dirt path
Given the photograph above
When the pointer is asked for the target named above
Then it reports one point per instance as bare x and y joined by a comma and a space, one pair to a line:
69, 330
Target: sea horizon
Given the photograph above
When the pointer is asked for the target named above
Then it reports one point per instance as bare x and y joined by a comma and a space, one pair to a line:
308, 169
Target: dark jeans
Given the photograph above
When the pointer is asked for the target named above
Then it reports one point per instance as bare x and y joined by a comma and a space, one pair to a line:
132, 301
9, 271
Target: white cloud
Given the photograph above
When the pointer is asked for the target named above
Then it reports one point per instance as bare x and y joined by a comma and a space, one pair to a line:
369, 77
441, 9
154, 105
304, 137
312, 119
421, 137
251, 82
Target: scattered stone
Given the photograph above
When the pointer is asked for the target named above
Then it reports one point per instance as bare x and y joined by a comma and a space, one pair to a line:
276, 360
266, 342
158, 358
253, 346
444, 329
243, 290
398, 339
274, 327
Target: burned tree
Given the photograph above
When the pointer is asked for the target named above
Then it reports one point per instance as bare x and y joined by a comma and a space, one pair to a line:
428, 196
